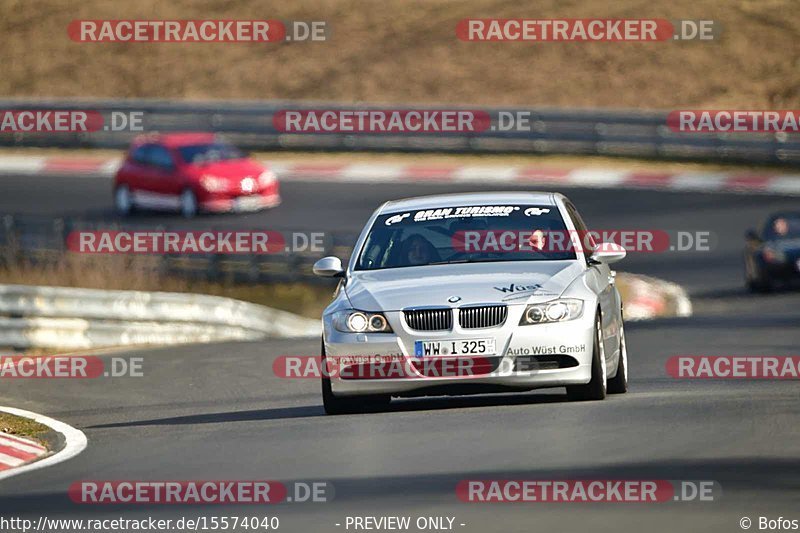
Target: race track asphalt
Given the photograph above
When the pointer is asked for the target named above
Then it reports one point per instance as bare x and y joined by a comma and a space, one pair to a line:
218, 412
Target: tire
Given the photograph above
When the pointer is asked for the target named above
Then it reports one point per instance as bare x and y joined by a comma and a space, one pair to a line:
754, 278
596, 388
123, 200
188, 204
336, 405
619, 383
759, 286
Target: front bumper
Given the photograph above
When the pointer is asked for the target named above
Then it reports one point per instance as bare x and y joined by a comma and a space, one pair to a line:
525, 356
227, 203
788, 270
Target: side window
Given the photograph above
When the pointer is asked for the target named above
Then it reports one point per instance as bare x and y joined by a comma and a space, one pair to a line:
140, 155
767, 231
160, 157
586, 238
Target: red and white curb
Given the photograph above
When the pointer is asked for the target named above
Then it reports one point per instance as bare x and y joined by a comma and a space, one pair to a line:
18, 456
728, 182
16, 451
650, 298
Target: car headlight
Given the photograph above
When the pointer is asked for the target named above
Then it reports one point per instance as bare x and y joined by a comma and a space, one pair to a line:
352, 321
213, 183
248, 184
266, 178
771, 255
552, 311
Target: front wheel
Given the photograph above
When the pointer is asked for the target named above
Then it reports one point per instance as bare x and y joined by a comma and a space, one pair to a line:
338, 405
188, 204
596, 388
755, 278
619, 383
123, 200
759, 285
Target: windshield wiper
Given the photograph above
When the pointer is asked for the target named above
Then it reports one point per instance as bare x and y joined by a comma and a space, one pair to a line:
452, 262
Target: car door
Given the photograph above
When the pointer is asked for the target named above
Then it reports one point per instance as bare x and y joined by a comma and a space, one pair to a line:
600, 276
135, 169
157, 179
163, 168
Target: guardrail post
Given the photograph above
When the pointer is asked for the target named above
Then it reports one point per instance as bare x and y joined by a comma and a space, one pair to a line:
213, 268
59, 229
253, 269
11, 251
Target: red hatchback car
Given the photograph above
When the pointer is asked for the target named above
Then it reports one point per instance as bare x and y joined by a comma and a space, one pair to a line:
190, 173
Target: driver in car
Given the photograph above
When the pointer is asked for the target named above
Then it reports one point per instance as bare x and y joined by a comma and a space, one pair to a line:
417, 250
781, 227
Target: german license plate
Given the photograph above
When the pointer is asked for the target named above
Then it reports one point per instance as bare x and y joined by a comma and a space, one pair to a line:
247, 203
454, 348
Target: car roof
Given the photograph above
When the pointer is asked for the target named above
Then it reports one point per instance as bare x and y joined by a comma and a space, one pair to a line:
464, 199
174, 140
784, 214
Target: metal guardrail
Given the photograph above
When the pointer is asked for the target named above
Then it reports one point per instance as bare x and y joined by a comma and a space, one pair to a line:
60, 317
552, 131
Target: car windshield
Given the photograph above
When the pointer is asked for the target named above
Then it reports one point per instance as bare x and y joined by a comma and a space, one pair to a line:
783, 227
201, 154
464, 234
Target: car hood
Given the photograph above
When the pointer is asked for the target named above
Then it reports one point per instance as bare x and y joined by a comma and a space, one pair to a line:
232, 170
790, 245
475, 283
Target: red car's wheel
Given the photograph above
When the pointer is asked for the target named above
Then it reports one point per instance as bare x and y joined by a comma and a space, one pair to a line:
123, 200
189, 206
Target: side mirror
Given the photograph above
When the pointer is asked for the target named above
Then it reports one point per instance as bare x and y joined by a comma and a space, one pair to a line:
608, 252
751, 235
329, 267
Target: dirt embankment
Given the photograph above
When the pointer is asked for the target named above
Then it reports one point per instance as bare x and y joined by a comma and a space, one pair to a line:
407, 51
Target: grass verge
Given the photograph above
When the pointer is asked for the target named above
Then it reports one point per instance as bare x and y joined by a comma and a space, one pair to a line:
23, 427
408, 51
